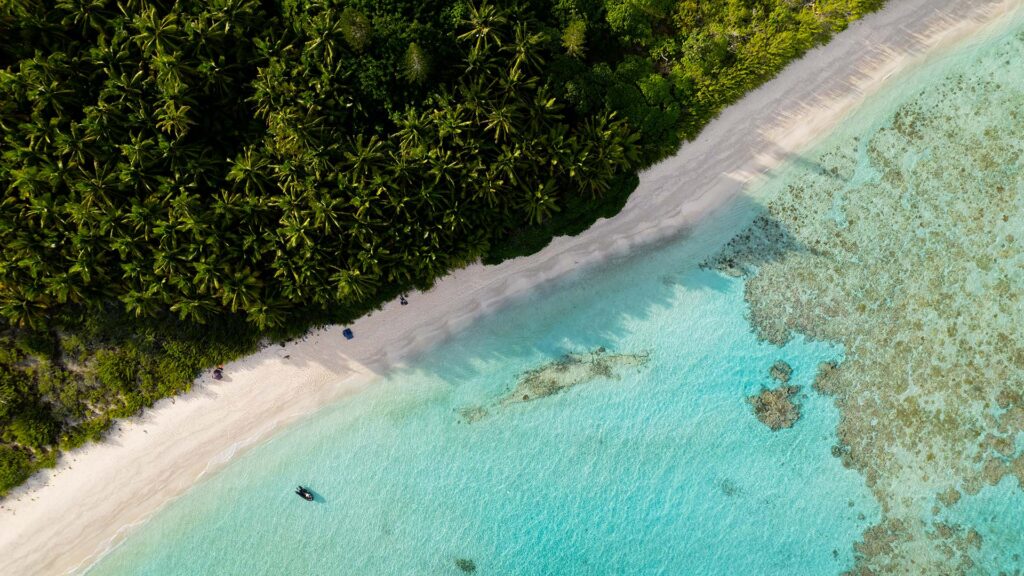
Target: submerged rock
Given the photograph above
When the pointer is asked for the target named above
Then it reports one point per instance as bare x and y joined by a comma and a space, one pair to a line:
781, 371
466, 565
571, 370
775, 407
472, 414
728, 487
557, 376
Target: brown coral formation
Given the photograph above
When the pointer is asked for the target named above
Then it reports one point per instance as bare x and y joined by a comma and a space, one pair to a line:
775, 408
906, 247
938, 548
569, 371
781, 371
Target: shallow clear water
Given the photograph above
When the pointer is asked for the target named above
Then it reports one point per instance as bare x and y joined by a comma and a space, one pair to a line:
662, 468
658, 467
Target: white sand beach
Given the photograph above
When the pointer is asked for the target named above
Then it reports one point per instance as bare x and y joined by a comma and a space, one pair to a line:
65, 518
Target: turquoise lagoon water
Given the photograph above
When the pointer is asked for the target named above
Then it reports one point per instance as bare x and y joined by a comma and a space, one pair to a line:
659, 469
663, 469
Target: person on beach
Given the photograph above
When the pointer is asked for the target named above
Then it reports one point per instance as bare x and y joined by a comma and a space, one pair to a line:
402, 300
218, 372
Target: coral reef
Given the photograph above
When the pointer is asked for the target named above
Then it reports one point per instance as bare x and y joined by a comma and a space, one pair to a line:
904, 244
775, 408
466, 565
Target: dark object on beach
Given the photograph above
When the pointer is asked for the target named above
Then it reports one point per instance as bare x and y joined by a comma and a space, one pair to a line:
305, 493
347, 333
218, 372
402, 300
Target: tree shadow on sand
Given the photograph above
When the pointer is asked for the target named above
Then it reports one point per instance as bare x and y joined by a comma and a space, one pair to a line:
618, 293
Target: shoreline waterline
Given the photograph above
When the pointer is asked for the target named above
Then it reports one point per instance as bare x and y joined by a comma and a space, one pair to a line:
64, 518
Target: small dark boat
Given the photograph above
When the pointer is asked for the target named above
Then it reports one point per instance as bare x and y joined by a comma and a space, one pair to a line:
305, 493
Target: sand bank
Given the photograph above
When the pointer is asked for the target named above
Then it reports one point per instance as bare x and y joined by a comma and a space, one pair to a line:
64, 518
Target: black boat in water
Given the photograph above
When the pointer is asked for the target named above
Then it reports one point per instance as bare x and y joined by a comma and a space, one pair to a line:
305, 493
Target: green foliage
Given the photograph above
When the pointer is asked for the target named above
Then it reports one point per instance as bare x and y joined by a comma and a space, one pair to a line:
417, 64
581, 213
142, 180
9, 398
15, 467
41, 343
635, 21
574, 38
355, 27
117, 369
183, 179
33, 429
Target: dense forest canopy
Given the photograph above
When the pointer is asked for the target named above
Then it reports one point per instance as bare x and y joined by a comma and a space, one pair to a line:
182, 179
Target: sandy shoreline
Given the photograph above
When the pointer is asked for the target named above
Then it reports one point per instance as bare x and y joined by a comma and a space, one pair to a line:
64, 518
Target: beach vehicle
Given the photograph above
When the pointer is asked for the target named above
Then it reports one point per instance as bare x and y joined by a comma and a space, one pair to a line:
305, 493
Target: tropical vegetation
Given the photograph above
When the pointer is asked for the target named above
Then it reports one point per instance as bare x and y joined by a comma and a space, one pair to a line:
183, 181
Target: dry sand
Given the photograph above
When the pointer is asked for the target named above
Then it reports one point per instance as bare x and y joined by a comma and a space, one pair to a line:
64, 518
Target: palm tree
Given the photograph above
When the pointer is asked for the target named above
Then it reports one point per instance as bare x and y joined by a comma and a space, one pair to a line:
65, 287
525, 49
140, 151
484, 23
325, 28
142, 302
501, 120
266, 316
22, 306
240, 289
156, 35
365, 159
86, 15
194, 309
353, 285
540, 202
294, 230
173, 119
413, 130
249, 170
